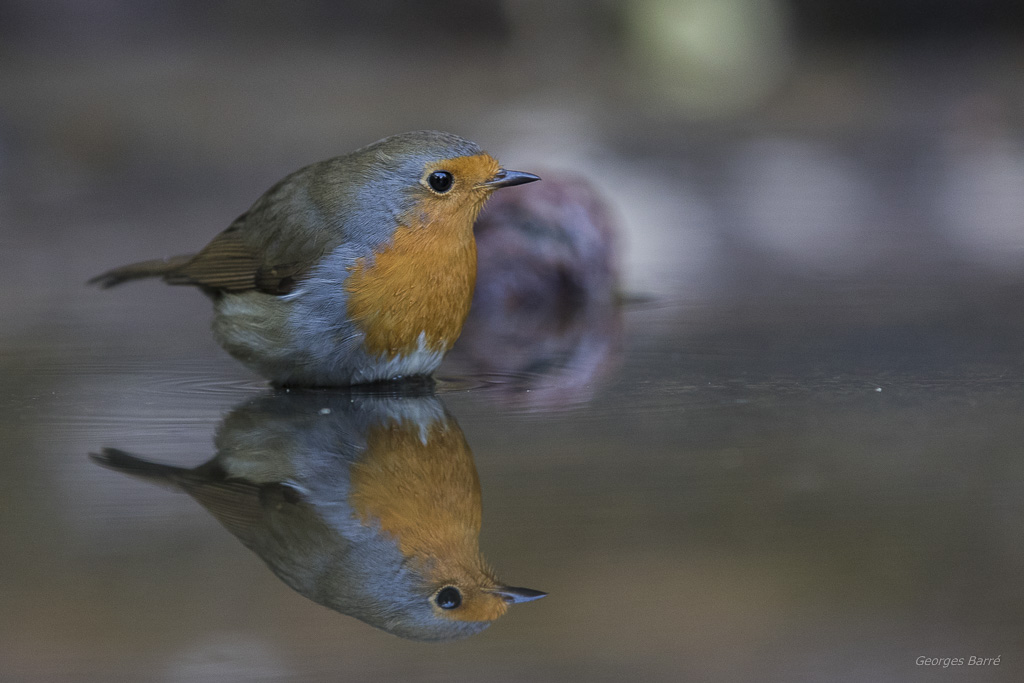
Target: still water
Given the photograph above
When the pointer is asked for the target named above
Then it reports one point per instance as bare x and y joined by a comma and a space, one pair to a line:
727, 499
793, 453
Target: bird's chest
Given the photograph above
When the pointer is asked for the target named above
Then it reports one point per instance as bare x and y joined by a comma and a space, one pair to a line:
414, 295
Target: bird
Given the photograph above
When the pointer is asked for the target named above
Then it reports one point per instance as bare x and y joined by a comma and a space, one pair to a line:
365, 501
357, 269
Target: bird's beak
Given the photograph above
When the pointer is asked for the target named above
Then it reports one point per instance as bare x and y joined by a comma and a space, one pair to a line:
505, 178
513, 595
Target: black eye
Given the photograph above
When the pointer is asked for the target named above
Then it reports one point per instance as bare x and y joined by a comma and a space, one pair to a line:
440, 181
448, 598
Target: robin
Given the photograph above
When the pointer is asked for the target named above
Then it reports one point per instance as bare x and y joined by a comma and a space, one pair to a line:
367, 503
356, 269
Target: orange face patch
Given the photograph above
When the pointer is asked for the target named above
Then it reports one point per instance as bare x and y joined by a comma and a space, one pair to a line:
422, 283
468, 173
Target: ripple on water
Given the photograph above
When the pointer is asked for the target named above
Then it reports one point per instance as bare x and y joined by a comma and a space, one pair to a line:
527, 392
105, 398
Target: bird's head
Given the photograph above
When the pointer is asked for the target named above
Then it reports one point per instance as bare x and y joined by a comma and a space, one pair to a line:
439, 178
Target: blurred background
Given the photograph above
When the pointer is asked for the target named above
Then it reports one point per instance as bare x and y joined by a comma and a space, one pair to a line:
794, 455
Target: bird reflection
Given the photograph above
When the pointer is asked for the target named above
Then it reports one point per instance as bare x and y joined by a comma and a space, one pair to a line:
364, 501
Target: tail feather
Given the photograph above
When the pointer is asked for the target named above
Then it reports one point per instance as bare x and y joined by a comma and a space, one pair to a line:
138, 271
236, 503
126, 463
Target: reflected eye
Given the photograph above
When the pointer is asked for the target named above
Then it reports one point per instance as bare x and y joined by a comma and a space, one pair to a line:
440, 181
448, 598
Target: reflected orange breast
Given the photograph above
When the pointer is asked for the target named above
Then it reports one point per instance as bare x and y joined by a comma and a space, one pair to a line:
422, 488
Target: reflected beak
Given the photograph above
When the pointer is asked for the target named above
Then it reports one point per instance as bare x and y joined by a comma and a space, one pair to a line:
505, 178
513, 595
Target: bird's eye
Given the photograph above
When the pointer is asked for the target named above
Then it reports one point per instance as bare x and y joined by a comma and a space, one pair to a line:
448, 597
440, 181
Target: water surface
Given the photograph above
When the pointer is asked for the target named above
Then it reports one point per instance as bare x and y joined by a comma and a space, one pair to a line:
795, 456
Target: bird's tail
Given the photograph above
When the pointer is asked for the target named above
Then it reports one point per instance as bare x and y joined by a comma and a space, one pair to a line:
236, 503
126, 463
138, 271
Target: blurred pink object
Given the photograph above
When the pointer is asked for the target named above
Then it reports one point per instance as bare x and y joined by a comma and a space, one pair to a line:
551, 245
545, 312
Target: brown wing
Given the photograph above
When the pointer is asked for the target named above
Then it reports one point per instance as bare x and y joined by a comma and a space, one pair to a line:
226, 263
235, 504
230, 264
242, 507
276, 242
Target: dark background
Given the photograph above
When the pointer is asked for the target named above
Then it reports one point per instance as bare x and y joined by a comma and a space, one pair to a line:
797, 459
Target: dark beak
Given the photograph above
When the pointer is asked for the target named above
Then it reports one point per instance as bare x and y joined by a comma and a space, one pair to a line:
505, 178
511, 594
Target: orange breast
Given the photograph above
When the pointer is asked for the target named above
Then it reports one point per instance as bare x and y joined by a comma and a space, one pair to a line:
421, 284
